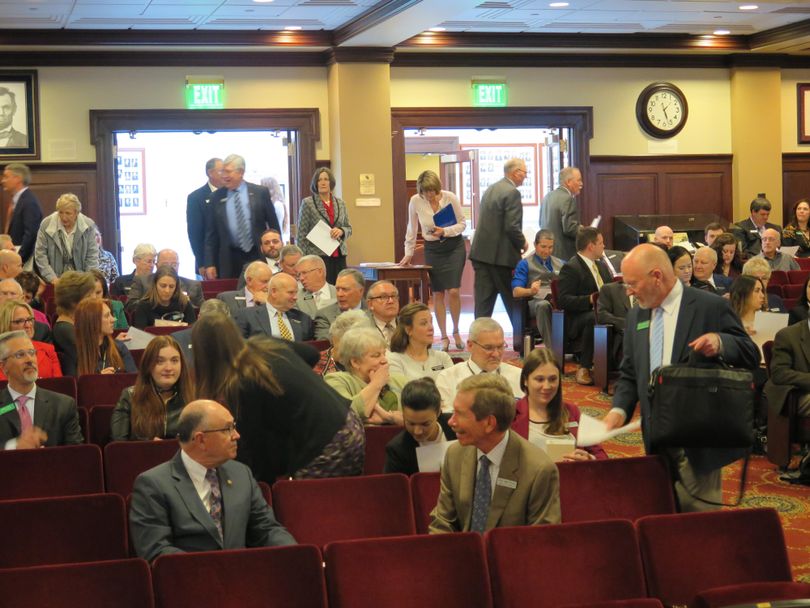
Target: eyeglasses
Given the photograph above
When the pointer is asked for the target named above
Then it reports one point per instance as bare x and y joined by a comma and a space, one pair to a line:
390, 297
230, 429
490, 348
22, 354
23, 321
303, 273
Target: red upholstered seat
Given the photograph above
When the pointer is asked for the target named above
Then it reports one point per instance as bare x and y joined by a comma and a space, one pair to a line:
321, 511
584, 562
804, 263
65, 385
792, 291
121, 583
283, 577
618, 488
751, 593
220, 285
796, 277
84, 423
164, 330
58, 471
425, 488
266, 492
376, 438
101, 389
647, 602
62, 530
125, 460
99, 427
689, 553
779, 277
447, 570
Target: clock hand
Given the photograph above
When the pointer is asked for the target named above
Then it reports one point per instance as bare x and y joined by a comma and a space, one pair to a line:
665, 112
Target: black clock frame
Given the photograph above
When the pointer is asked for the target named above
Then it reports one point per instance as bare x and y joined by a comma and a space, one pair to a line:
641, 109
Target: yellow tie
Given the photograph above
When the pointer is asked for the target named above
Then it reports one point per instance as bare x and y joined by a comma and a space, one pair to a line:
597, 276
282, 327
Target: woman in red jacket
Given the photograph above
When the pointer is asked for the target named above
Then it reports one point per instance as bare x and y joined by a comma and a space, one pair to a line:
16, 315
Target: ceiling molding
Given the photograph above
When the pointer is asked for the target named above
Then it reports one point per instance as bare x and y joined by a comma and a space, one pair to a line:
359, 54
374, 16
162, 59
787, 35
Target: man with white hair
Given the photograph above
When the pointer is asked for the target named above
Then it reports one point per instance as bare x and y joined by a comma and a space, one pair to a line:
771, 240
167, 257
664, 236
703, 275
560, 214
257, 280
144, 259
10, 264
314, 293
486, 347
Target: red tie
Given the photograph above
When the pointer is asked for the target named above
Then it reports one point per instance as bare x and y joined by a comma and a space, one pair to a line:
25, 416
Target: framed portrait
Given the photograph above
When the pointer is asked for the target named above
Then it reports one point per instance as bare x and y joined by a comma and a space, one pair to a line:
131, 178
803, 105
19, 115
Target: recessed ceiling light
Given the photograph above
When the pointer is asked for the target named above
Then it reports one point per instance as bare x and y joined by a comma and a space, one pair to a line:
721, 32
748, 7
293, 28
558, 4
437, 29
262, 1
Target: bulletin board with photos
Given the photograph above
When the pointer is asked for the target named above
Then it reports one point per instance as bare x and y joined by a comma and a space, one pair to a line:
491, 158
131, 181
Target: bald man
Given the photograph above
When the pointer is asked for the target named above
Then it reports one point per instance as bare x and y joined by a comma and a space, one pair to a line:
693, 320
277, 317
703, 275
771, 241
664, 236
10, 264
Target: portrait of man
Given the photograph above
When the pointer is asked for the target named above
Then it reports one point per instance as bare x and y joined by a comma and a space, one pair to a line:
12, 116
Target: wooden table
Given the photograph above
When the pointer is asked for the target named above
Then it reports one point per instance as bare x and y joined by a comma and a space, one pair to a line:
414, 278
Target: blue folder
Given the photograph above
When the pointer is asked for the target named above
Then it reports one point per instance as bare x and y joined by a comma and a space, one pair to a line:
445, 217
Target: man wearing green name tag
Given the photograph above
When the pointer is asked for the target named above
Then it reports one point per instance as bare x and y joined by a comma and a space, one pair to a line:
32, 417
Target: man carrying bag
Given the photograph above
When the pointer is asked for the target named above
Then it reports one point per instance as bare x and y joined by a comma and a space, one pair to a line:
670, 322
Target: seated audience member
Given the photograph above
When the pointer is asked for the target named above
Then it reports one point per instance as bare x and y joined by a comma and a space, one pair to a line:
10, 289
382, 301
486, 348
269, 249
151, 408
425, 424
116, 306
749, 231
6, 242
96, 350
288, 257
177, 507
776, 259
294, 424
164, 300
611, 309
254, 293
759, 268
747, 297
797, 231
532, 279
144, 260
729, 263
56, 415
107, 263
167, 257
349, 288
72, 288
492, 477
16, 315
411, 353
542, 414
664, 236
374, 392
277, 317
344, 322
711, 232
580, 280
681, 261
32, 289
314, 293
66, 240
790, 369
183, 337
800, 311
10, 264
704, 275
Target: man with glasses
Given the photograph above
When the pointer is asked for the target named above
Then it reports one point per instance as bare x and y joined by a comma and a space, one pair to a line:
167, 257
32, 417
382, 301
144, 259
314, 293
486, 347
559, 213
202, 499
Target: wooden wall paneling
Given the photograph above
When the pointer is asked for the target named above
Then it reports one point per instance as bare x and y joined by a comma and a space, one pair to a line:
694, 192
623, 194
795, 181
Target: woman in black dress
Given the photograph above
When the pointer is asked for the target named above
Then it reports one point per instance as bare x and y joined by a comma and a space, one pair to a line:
164, 300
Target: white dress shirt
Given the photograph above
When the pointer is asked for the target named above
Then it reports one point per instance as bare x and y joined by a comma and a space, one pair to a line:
197, 472
274, 320
449, 379
419, 210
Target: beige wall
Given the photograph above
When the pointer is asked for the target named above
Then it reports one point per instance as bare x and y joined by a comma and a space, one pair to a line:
790, 78
416, 163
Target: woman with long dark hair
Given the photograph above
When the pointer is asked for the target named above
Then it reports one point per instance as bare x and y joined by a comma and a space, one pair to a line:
164, 300
729, 262
747, 295
796, 232
96, 349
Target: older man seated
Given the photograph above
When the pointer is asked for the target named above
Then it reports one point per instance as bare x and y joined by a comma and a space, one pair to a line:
167, 257
703, 274
664, 236
771, 241
382, 301
349, 288
144, 259
10, 264
277, 317
254, 293
314, 293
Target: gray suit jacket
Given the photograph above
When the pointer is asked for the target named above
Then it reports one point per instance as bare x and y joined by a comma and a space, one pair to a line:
54, 413
167, 515
306, 302
559, 213
234, 299
527, 492
613, 305
140, 285
256, 321
498, 235
790, 365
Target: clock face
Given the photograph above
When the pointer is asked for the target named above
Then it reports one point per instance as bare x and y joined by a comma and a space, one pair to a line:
661, 110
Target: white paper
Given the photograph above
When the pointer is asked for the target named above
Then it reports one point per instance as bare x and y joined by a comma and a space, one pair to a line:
430, 457
791, 251
596, 221
138, 339
766, 324
319, 236
593, 431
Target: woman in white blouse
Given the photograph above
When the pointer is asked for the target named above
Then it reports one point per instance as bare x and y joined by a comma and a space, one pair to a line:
411, 352
444, 248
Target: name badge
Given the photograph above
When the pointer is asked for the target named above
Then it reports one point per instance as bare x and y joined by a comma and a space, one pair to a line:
506, 483
643, 325
7, 408
571, 425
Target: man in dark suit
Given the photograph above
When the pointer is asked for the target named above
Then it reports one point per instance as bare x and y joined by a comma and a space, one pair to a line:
559, 213
692, 320
277, 317
202, 499
166, 257
257, 281
498, 241
240, 213
580, 280
25, 215
9, 136
790, 368
703, 275
197, 208
31, 417
270, 246
611, 309
749, 231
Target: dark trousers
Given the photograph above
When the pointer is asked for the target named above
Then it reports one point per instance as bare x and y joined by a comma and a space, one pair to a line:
491, 281
239, 259
579, 326
333, 267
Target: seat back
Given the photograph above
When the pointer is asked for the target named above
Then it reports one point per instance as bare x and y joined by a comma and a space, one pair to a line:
321, 511
283, 577
125, 460
447, 570
62, 530
219, 285
103, 389
691, 552
66, 385
376, 439
792, 291
59, 471
100, 417
84, 423
796, 277
804, 263
609, 548
635, 486
425, 488
164, 330
779, 277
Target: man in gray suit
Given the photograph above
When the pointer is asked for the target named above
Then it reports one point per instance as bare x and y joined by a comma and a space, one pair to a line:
257, 280
277, 317
314, 293
498, 241
349, 288
202, 499
559, 213
30, 416
167, 257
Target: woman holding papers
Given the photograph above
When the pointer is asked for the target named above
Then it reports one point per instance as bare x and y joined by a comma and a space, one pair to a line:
441, 221
324, 206
542, 417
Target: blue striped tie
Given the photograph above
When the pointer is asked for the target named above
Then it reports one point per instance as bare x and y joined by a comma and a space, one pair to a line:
242, 225
481, 497
657, 339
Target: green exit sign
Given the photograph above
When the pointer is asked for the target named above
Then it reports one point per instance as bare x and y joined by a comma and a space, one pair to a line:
489, 94
205, 96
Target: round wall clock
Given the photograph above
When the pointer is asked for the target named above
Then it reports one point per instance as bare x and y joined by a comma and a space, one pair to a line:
661, 110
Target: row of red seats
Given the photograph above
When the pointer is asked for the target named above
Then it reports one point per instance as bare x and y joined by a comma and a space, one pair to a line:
214, 286
741, 559
790, 277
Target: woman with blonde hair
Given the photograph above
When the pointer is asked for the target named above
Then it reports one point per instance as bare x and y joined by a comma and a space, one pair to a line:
16, 315
72, 288
96, 349
66, 240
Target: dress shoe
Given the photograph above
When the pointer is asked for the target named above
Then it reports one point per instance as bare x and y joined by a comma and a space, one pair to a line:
584, 377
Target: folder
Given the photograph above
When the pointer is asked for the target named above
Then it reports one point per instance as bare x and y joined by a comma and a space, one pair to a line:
445, 217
